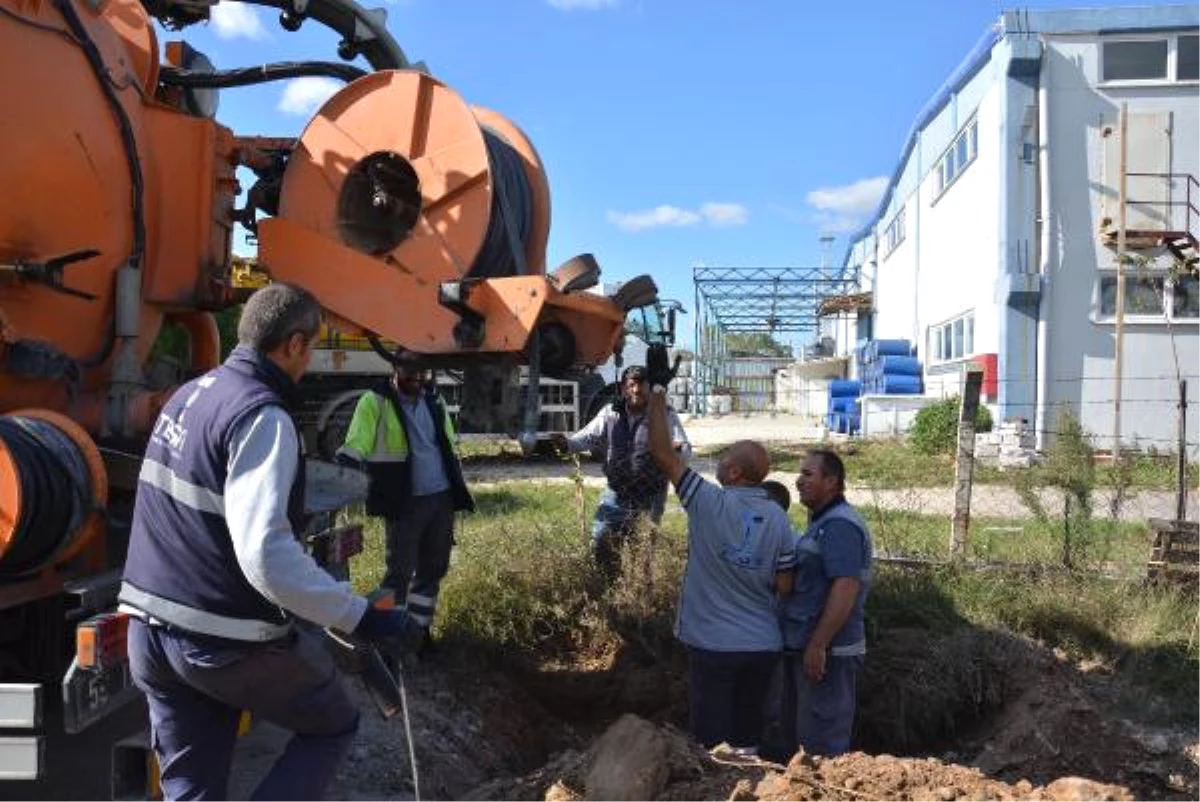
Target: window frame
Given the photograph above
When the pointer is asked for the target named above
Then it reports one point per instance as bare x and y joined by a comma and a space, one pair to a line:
1106, 43
1171, 66
891, 239
968, 137
943, 337
1167, 284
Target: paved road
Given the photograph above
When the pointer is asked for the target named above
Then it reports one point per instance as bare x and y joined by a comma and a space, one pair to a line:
997, 501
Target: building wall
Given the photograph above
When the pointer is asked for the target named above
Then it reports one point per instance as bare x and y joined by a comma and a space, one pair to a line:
1030, 275
1082, 344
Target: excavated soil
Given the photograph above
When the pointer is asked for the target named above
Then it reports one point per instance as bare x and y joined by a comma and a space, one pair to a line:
973, 715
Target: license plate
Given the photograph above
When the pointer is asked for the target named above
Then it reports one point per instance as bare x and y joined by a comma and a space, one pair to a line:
90, 694
337, 546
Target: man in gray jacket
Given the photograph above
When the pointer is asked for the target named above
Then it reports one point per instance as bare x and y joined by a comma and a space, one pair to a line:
215, 577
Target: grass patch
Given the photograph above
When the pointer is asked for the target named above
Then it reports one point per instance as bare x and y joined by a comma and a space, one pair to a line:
522, 585
1119, 547
897, 464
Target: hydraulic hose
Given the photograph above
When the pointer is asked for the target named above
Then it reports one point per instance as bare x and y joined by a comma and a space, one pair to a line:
55, 486
511, 193
246, 76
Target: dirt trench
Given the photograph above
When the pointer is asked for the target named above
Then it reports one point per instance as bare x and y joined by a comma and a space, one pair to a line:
968, 715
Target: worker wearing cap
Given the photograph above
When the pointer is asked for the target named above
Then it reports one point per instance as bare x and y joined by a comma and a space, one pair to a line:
636, 485
215, 576
403, 434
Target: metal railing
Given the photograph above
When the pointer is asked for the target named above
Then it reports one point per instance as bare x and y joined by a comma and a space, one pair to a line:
1189, 204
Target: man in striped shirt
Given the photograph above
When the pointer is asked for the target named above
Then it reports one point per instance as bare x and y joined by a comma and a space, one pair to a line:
740, 559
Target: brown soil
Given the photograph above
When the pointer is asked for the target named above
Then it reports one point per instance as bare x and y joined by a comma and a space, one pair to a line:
1018, 721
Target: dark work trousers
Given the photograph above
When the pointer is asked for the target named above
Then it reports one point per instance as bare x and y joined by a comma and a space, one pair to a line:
615, 523
726, 692
197, 687
820, 715
417, 552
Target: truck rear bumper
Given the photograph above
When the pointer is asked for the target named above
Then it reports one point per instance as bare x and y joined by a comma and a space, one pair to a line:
21, 754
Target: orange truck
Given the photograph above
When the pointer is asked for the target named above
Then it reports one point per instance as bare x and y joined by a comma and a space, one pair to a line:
417, 219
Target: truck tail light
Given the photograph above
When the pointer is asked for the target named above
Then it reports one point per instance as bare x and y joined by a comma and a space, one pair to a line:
100, 640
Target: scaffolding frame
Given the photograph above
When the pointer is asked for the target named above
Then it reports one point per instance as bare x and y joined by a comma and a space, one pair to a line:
755, 300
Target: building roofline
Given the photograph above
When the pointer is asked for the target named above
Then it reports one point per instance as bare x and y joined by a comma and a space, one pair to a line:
1122, 19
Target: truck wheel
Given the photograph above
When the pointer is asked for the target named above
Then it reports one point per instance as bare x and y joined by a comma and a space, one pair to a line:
333, 433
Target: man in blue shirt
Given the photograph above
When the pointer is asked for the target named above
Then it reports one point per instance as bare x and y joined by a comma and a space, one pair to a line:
740, 559
823, 620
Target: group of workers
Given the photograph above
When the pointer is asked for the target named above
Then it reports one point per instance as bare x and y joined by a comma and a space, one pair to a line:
226, 605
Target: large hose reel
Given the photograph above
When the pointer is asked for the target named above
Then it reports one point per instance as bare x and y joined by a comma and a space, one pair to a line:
52, 488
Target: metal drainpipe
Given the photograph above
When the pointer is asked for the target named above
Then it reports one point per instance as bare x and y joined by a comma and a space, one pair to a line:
1046, 259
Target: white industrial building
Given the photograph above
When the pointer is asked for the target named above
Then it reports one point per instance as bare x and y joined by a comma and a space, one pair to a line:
995, 241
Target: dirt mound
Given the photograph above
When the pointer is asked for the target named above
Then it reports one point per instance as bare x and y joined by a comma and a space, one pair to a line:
469, 723
859, 776
685, 771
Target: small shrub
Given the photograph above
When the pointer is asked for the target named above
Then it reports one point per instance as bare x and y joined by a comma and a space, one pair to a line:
1069, 468
935, 429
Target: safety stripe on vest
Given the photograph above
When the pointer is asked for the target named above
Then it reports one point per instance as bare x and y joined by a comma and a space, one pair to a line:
191, 495
379, 454
849, 650
200, 622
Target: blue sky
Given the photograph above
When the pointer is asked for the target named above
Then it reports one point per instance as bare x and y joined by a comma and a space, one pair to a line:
674, 132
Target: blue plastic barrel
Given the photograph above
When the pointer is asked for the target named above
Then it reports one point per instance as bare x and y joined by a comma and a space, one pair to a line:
900, 365
883, 348
844, 388
895, 384
843, 404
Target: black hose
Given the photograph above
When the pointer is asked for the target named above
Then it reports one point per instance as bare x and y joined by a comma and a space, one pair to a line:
55, 488
96, 59
496, 256
137, 187
246, 76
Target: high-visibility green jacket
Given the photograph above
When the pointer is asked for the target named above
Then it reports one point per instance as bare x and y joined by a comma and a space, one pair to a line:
378, 439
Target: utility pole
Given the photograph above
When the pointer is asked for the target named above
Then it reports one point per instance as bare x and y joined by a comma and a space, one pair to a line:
1181, 458
1123, 128
964, 464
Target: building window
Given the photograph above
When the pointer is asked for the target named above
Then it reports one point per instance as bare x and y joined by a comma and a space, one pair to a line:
1138, 60
893, 235
958, 157
1185, 298
1151, 296
1143, 296
954, 339
1187, 58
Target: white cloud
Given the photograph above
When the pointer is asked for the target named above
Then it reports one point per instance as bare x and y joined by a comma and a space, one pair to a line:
715, 214
232, 20
842, 209
724, 214
657, 217
304, 96
861, 197
581, 5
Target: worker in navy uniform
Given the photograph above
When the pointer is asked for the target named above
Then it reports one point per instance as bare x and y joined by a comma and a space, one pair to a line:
216, 578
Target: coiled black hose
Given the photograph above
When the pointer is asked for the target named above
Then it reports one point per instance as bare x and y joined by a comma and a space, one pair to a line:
511, 191
55, 488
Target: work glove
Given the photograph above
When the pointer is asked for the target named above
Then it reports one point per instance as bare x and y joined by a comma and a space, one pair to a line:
393, 631
347, 461
659, 370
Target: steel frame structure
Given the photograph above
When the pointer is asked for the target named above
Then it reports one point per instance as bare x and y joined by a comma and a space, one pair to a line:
755, 300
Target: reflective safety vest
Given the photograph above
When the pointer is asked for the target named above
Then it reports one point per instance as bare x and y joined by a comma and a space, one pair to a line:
377, 438
181, 568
